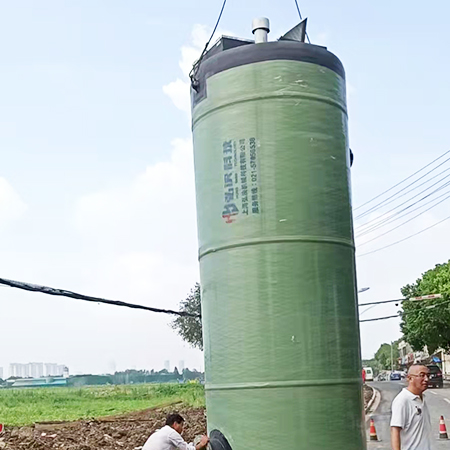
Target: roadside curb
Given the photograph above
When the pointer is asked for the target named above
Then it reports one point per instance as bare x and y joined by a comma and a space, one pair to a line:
373, 403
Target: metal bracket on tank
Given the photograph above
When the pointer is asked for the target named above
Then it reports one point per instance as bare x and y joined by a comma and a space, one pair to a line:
298, 33
218, 441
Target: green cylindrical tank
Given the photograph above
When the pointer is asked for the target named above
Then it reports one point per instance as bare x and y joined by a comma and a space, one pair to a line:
276, 248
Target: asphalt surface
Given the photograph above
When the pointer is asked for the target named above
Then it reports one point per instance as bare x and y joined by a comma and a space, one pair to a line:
438, 401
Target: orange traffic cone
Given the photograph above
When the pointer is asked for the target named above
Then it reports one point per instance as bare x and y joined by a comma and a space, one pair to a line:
373, 432
442, 429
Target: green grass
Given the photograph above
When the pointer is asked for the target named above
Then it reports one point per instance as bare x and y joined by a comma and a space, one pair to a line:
26, 406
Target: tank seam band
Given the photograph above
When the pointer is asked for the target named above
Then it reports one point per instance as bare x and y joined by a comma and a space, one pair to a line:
281, 384
276, 240
281, 95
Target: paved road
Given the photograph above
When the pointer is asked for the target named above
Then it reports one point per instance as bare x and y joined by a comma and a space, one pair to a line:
438, 402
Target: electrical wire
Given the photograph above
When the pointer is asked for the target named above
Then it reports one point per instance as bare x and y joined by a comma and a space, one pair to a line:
403, 223
367, 309
404, 313
385, 202
196, 66
301, 18
390, 219
398, 184
64, 293
399, 300
404, 239
379, 318
375, 219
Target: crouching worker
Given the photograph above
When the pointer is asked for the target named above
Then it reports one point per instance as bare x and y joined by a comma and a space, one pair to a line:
169, 437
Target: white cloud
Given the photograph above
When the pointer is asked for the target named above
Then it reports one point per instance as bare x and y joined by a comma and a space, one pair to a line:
156, 211
12, 206
178, 91
142, 241
142, 235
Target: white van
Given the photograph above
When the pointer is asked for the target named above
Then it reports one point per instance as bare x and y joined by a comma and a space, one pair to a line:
369, 373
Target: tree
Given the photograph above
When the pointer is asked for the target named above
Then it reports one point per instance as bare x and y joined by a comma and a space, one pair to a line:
190, 328
427, 323
383, 355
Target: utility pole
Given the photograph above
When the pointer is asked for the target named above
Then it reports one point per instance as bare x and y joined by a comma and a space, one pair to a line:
392, 359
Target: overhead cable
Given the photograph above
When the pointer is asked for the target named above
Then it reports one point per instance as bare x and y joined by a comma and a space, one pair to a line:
398, 300
382, 215
64, 293
403, 223
404, 239
392, 218
401, 182
405, 313
384, 203
379, 318
301, 18
196, 66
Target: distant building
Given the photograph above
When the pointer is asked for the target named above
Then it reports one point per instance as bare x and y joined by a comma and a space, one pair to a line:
167, 365
408, 356
18, 370
181, 365
36, 369
1, 373
50, 369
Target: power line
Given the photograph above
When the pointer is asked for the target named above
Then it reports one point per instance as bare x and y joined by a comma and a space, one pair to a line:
385, 202
396, 207
390, 219
404, 313
64, 293
404, 239
403, 223
367, 309
196, 66
301, 18
399, 300
379, 318
398, 184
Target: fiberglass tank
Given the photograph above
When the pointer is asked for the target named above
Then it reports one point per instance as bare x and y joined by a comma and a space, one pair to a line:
276, 249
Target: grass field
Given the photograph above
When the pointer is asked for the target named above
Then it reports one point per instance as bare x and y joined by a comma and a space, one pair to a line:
26, 406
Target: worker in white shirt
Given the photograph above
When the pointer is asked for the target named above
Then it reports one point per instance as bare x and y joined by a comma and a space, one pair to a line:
169, 437
410, 421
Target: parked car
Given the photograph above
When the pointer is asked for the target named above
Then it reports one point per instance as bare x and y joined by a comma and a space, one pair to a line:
369, 373
436, 379
395, 376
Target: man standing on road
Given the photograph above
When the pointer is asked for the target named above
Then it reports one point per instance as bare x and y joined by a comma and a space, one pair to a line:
410, 421
169, 437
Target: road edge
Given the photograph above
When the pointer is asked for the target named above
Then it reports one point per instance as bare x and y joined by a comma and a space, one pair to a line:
373, 403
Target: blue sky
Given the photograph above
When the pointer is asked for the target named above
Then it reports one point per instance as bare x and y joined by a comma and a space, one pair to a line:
96, 182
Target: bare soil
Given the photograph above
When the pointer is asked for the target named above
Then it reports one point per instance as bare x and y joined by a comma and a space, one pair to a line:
368, 392
127, 432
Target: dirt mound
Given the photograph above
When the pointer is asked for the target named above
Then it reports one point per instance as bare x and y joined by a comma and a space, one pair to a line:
368, 392
126, 432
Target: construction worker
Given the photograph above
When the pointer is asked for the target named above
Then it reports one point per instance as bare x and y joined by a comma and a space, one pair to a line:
410, 421
169, 437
